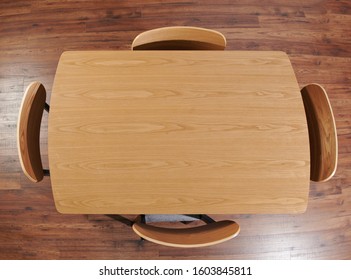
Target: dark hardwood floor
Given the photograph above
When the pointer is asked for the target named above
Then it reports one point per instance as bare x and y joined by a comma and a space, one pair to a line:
315, 33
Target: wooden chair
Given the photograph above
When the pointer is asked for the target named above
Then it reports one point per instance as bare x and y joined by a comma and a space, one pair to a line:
205, 235
322, 132
179, 38
28, 131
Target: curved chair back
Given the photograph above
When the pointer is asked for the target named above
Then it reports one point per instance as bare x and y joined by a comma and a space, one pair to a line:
28, 131
179, 38
322, 132
200, 236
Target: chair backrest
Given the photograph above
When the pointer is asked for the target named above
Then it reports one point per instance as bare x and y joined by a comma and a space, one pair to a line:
200, 236
28, 131
179, 38
322, 132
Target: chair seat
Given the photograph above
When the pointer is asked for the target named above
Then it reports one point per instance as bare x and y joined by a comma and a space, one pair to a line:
179, 38
28, 131
206, 235
322, 132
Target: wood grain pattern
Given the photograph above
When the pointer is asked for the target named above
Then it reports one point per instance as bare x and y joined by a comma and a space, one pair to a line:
179, 38
164, 132
33, 34
322, 132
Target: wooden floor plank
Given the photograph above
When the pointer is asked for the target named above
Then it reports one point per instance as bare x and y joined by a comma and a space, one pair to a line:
33, 34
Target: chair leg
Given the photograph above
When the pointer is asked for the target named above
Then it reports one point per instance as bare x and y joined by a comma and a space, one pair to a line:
142, 219
206, 219
47, 107
202, 217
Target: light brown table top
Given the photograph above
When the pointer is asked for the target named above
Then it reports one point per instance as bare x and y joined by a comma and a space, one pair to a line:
211, 132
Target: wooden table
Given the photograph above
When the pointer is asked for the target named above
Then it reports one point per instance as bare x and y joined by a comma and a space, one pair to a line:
212, 132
